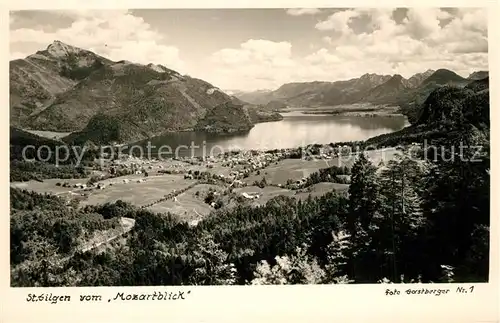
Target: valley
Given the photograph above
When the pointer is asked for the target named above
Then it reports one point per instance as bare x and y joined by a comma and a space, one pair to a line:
331, 167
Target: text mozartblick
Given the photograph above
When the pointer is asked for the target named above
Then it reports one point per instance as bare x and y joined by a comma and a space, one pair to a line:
156, 296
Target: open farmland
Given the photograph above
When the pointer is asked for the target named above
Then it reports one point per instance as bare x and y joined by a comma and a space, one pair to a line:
153, 189
321, 189
293, 169
269, 192
266, 193
296, 169
190, 205
49, 185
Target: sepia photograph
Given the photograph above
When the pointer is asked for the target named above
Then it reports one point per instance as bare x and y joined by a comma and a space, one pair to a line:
273, 146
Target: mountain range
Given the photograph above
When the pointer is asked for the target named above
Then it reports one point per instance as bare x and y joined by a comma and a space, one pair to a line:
69, 89
409, 94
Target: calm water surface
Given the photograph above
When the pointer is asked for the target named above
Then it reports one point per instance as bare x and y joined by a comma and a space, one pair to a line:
293, 131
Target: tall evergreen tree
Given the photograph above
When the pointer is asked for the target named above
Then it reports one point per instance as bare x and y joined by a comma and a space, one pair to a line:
402, 216
363, 208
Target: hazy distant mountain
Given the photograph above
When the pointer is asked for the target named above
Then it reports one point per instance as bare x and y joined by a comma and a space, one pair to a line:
389, 92
418, 78
317, 93
364, 83
478, 75
64, 88
254, 97
409, 94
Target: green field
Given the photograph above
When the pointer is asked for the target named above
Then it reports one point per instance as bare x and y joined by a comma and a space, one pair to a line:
321, 189
293, 169
49, 185
190, 206
296, 169
153, 189
187, 205
269, 192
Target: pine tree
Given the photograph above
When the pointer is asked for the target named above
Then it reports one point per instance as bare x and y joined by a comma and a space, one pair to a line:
212, 265
363, 208
337, 255
363, 192
402, 216
456, 202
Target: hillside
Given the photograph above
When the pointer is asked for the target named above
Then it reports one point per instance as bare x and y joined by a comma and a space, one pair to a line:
154, 100
19, 139
443, 76
86, 89
36, 163
389, 92
259, 114
36, 80
414, 99
479, 85
442, 116
225, 118
478, 75
453, 104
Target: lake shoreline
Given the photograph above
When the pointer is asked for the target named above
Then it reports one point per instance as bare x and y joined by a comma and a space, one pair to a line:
296, 129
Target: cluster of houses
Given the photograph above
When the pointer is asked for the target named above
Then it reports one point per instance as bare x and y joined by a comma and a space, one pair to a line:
233, 179
253, 160
329, 152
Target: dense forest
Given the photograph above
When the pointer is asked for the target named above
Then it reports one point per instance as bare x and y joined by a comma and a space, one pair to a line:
423, 217
37, 158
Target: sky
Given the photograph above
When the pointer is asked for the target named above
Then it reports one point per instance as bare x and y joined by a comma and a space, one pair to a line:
251, 49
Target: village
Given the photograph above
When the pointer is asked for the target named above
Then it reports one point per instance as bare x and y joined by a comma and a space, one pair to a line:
193, 187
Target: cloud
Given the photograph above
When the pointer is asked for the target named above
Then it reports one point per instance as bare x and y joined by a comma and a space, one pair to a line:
322, 56
302, 11
423, 22
338, 21
346, 44
116, 34
422, 39
256, 63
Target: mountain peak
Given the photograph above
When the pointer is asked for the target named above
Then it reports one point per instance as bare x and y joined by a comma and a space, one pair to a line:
417, 79
443, 76
59, 49
368, 75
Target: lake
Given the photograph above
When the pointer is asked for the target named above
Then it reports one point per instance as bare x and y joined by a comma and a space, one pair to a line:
293, 131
